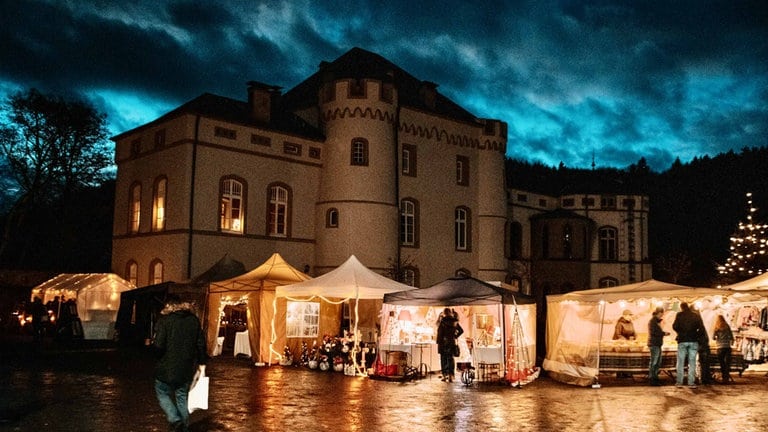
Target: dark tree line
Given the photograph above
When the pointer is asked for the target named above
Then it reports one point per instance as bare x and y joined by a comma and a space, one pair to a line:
694, 207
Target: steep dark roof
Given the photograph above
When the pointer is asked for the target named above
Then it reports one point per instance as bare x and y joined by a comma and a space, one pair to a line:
358, 63
235, 111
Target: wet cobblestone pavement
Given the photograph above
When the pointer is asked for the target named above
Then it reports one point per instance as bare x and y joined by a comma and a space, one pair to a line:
102, 388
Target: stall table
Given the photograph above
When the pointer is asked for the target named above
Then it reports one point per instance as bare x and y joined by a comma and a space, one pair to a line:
637, 361
242, 344
425, 353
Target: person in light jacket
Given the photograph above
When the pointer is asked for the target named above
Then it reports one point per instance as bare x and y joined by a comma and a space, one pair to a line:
723, 336
180, 345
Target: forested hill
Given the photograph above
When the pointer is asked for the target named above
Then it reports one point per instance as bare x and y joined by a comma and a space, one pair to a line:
694, 207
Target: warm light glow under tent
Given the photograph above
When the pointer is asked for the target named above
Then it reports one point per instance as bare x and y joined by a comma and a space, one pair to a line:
580, 324
756, 283
97, 296
351, 282
256, 289
474, 301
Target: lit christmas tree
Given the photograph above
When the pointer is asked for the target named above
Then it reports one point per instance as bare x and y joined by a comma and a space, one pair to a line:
749, 251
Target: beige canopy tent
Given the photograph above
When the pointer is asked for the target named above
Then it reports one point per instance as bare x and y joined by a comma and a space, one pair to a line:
350, 281
581, 323
759, 282
97, 296
256, 288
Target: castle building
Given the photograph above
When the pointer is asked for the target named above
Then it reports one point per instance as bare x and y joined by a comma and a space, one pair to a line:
360, 158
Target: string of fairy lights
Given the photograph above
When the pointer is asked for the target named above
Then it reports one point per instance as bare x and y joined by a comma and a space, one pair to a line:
749, 247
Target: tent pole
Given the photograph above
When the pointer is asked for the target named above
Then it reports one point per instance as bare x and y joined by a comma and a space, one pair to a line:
596, 384
503, 337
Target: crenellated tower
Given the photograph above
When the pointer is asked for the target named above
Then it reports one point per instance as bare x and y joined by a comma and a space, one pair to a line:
356, 212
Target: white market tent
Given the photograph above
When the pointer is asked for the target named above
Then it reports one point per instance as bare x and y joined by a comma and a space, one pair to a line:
97, 296
578, 322
256, 288
350, 281
759, 282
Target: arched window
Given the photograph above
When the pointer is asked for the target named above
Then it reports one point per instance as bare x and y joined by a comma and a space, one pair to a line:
278, 210
332, 218
410, 276
409, 222
155, 272
232, 203
158, 204
359, 152
132, 272
608, 282
134, 215
463, 272
462, 232
608, 238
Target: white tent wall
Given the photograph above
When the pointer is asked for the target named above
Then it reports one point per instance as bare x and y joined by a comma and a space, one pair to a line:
97, 296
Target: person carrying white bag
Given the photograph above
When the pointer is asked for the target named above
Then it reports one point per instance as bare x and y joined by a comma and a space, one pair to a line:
180, 344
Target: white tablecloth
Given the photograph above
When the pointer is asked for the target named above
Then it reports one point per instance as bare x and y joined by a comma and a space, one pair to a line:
428, 354
242, 344
487, 355
219, 346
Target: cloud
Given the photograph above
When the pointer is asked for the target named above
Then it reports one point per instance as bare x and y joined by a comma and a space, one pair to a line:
624, 80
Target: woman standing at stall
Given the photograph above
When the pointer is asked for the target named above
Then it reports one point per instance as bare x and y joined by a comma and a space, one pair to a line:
724, 336
448, 330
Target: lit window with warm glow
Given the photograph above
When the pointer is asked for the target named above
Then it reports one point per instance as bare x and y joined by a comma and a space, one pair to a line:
156, 272
302, 319
132, 273
135, 208
158, 204
232, 206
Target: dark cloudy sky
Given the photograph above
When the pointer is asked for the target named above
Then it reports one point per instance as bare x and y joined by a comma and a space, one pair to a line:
617, 79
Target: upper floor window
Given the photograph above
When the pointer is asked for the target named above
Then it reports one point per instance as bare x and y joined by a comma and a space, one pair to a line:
608, 202
158, 204
408, 160
277, 217
302, 319
132, 272
462, 170
232, 206
608, 282
134, 216
135, 147
409, 221
607, 243
359, 152
223, 132
461, 229
332, 218
155, 272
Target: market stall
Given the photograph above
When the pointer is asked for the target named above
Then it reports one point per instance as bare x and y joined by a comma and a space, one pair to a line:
499, 325
311, 312
581, 324
256, 290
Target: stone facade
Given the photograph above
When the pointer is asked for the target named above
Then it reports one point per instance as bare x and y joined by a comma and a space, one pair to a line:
360, 158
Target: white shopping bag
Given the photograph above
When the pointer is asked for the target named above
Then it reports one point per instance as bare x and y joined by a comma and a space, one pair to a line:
198, 392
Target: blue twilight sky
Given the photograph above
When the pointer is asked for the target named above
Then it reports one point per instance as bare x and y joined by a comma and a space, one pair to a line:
619, 80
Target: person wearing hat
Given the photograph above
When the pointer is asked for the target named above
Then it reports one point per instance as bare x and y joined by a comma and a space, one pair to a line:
655, 341
624, 327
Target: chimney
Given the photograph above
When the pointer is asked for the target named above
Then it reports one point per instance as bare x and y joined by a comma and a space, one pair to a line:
428, 93
262, 100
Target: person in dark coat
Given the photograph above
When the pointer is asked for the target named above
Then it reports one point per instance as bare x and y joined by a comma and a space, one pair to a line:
655, 341
448, 330
723, 335
689, 328
180, 343
706, 373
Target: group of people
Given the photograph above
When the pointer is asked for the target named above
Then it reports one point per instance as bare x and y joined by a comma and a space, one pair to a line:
692, 343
